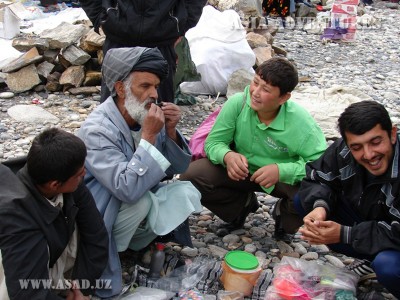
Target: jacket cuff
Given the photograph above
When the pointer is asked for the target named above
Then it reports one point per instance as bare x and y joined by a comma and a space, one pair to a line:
345, 234
322, 203
156, 154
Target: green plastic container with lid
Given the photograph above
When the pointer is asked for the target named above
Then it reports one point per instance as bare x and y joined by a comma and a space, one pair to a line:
241, 261
240, 271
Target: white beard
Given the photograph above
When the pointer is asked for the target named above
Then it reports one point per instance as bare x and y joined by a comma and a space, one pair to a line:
136, 109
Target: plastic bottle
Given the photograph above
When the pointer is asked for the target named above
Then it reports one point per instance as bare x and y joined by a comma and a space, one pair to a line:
157, 261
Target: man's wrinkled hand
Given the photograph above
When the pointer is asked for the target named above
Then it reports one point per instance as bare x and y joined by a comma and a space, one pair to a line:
153, 123
172, 114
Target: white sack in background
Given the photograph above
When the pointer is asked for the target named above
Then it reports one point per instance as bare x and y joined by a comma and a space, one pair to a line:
218, 47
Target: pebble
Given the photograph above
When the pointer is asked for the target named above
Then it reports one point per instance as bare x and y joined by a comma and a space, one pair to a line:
260, 254
299, 248
257, 232
190, 252
284, 248
292, 254
322, 249
74, 117
310, 256
6, 95
246, 240
28, 129
97, 98
334, 261
198, 244
217, 252
231, 238
251, 248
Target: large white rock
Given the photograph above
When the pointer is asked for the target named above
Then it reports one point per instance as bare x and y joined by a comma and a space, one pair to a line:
326, 105
31, 114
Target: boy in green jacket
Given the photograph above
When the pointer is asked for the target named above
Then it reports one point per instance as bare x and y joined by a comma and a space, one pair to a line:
260, 142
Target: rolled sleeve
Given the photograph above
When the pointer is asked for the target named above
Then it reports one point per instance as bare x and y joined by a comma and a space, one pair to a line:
153, 151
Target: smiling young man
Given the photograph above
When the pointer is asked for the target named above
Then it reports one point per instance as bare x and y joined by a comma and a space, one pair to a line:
260, 142
351, 195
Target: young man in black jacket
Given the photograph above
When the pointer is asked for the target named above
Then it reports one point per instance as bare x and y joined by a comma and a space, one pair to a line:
150, 23
52, 237
351, 195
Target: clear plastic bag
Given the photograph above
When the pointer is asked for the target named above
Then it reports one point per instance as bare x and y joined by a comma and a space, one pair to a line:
146, 293
192, 294
189, 276
202, 273
308, 280
230, 295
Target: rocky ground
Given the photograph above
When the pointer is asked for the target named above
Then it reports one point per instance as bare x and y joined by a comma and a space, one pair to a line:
370, 64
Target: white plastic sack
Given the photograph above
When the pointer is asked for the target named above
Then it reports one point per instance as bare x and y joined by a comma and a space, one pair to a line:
218, 47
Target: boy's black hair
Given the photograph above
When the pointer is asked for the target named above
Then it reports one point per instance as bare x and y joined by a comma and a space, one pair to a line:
360, 117
55, 155
279, 72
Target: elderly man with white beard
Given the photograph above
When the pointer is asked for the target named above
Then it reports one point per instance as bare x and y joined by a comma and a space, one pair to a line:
132, 145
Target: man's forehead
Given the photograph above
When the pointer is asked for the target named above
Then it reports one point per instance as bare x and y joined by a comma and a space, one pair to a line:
368, 136
144, 76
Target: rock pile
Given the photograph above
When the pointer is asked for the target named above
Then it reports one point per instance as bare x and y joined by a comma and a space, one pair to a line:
69, 57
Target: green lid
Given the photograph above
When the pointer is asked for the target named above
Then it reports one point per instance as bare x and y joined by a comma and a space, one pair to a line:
241, 260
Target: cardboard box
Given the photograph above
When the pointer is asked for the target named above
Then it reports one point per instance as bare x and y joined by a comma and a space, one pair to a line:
347, 2
344, 21
10, 15
344, 9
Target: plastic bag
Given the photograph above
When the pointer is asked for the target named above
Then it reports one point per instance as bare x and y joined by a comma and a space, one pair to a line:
230, 295
145, 293
218, 47
192, 294
201, 273
197, 141
300, 279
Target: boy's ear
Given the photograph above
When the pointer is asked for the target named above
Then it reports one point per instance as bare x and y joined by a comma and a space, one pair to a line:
51, 187
284, 98
53, 184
